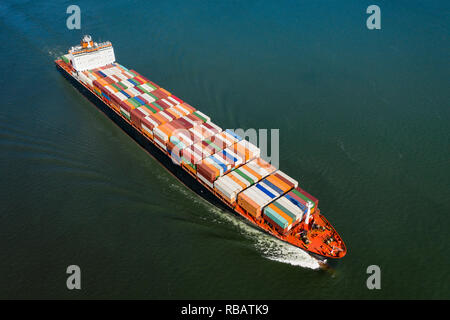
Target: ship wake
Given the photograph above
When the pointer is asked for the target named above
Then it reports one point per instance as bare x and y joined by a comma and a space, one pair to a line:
270, 248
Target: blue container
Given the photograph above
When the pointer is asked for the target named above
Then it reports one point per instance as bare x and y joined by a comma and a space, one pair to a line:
125, 94
229, 156
272, 186
233, 134
139, 100
224, 167
270, 194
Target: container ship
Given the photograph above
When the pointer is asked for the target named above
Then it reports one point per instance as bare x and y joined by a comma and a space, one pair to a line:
217, 164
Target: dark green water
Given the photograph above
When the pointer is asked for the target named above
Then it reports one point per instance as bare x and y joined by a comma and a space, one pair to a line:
364, 126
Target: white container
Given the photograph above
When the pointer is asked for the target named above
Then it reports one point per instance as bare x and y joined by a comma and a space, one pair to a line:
147, 87
173, 101
154, 123
147, 97
239, 177
144, 127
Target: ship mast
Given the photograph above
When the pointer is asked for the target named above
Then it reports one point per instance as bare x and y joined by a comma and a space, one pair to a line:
309, 204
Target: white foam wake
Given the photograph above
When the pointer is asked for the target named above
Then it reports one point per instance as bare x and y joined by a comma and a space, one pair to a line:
269, 246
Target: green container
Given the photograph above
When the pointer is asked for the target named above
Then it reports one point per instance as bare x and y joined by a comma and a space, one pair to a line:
196, 114
134, 102
157, 106
149, 108
122, 85
302, 196
243, 175
151, 86
153, 96
213, 145
134, 74
116, 86
193, 166
64, 58
143, 89
125, 115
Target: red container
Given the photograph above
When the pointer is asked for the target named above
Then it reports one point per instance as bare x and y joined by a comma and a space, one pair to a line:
162, 103
139, 89
194, 118
151, 82
306, 194
188, 155
206, 172
137, 116
108, 80
125, 106
115, 98
177, 99
116, 79
148, 124
284, 180
213, 129
186, 124
97, 84
159, 94
98, 74
170, 146
138, 81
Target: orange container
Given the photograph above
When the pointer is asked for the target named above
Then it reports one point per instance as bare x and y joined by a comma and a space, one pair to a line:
188, 107
249, 205
280, 184
165, 91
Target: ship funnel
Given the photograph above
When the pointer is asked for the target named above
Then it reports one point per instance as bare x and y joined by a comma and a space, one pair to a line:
87, 42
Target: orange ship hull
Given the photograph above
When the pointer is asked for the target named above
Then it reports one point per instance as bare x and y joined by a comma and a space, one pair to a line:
318, 238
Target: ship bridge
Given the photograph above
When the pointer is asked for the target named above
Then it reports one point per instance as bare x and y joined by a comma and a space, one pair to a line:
90, 55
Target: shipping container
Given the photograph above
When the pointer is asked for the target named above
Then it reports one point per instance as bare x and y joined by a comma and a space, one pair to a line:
264, 192
299, 197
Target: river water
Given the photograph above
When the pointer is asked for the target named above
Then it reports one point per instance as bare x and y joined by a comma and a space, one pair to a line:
364, 126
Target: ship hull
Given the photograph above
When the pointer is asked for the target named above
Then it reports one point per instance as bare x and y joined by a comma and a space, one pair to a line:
177, 171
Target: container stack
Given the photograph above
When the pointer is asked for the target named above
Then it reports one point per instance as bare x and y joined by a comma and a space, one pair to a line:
129, 90
246, 150
162, 133
241, 178
225, 160
195, 153
282, 214
220, 159
147, 117
264, 192
183, 139
300, 197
